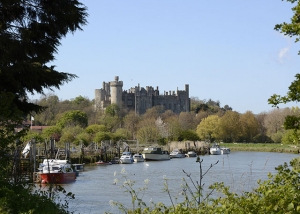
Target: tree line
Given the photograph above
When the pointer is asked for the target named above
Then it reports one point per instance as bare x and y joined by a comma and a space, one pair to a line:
78, 121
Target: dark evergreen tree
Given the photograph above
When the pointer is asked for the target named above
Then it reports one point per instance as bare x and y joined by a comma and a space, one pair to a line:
30, 33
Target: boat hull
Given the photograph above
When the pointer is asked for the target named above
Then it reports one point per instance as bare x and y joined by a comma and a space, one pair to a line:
156, 157
138, 159
225, 151
58, 178
177, 156
191, 154
126, 161
101, 163
215, 151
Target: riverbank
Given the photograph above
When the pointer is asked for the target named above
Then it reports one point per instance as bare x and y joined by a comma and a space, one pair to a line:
262, 147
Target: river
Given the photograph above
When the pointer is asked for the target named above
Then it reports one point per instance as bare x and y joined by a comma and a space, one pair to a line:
96, 186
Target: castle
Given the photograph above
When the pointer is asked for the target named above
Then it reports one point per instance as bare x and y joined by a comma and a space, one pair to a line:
140, 99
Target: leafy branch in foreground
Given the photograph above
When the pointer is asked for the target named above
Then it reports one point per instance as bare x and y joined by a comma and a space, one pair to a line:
198, 185
135, 198
189, 204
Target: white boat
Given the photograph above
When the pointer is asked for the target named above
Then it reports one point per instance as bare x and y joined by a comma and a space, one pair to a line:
215, 150
126, 158
138, 157
155, 154
225, 150
191, 154
176, 153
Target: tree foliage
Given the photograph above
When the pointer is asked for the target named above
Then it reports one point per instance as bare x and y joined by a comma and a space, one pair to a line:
291, 29
72, 119
208, 128
230, 126
30, 32
249, 125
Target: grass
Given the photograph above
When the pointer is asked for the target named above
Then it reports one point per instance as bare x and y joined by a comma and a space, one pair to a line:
263, 147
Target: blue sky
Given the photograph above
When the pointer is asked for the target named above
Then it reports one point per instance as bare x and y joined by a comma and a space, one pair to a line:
225, 50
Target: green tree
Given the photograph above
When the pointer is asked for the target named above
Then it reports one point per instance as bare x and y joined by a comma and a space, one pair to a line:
33, 134
250, 126
291, 29
188, 135
230, 126
112, 123
102, 136
84, 138
121, 133
73, 118
52, 132
30, 34
51, 105
208, 128
174, 128
93, 129
131, 121
148, 134
112, 110
70, 133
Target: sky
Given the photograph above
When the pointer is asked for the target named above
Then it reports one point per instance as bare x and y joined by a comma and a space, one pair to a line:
226, 50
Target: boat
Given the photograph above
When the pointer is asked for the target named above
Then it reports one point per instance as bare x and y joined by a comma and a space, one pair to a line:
225, 150
191, 154
215, 150
103, 163
176, 153
78, 167
126, 158
155, 154
116, 160
56, 171
138, 157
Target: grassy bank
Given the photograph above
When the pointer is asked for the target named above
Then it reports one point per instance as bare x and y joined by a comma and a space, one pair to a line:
262, 147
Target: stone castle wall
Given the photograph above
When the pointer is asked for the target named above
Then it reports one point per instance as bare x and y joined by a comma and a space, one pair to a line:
140, 99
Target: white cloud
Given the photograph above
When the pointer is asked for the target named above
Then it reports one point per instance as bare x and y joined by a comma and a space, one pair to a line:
283, 52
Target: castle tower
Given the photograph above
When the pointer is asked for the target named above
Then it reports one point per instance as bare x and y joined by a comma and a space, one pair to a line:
187, 98
116, 91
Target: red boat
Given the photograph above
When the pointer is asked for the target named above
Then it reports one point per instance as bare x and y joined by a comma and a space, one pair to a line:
57, 172
101, 163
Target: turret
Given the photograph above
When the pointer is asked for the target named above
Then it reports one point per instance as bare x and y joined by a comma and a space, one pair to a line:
116, 91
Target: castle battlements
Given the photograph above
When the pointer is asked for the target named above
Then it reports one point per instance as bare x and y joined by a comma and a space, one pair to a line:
140, 99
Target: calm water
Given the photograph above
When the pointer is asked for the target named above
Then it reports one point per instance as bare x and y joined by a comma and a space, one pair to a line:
95, 187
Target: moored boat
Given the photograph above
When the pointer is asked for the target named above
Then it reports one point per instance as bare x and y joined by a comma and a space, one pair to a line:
155, 154
191, 154
126, 158
138, 157
116, 160
176, 153
215, 150
103, 163
78, 167
225, 150
56, 172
